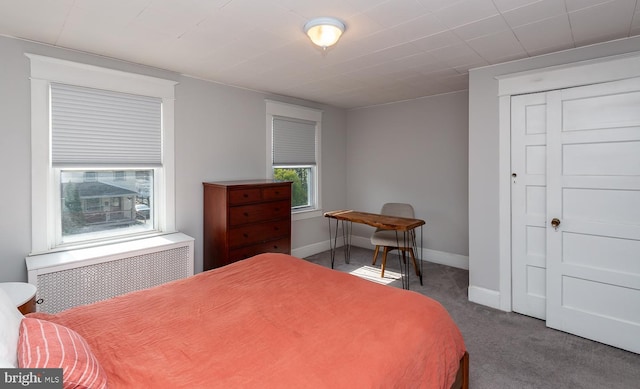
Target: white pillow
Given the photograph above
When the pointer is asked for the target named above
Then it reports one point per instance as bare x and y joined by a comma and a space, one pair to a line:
10, 319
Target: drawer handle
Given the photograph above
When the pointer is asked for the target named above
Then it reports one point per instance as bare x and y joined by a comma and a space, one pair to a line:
276, 228
277, 192
246, 214
245, 195
39, 301
275, 247
245, 235
276, 209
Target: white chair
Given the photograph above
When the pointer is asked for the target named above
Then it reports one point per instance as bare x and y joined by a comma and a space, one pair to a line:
390, 240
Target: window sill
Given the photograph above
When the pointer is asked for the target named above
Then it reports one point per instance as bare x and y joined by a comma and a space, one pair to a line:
60, 260
302, 215
107, 241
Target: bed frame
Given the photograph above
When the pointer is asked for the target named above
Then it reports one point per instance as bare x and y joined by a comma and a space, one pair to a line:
462, 378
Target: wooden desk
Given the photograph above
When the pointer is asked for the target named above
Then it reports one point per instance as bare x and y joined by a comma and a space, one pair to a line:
386, 222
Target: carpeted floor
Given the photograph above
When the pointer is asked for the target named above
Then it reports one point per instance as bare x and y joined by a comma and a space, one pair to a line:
507, 350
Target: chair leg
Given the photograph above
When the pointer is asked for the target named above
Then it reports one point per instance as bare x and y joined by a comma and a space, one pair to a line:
375, 255
384, 260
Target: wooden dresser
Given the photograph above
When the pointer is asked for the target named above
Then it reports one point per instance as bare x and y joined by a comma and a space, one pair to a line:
245, 218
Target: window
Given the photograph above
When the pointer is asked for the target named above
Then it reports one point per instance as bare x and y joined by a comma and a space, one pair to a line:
90, 176
294, 158
101, 150
294, 153
101, 204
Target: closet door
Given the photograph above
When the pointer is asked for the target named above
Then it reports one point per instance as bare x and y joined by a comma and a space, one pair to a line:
528, 199
593, 212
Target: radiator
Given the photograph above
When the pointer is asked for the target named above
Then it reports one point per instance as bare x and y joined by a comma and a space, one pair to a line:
77, 277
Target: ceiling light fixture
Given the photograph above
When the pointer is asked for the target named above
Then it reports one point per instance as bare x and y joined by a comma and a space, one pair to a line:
324, 31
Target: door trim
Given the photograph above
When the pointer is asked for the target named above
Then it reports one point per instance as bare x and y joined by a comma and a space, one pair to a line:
570, 75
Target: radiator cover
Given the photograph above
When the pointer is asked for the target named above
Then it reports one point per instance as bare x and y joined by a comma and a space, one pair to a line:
78, 277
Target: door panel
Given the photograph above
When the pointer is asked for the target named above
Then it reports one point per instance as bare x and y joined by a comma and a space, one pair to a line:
536, 280
609, 158
604, 110
593, 187
601, 252
528, 193
599, 304
602, 205
535, 161
536, 201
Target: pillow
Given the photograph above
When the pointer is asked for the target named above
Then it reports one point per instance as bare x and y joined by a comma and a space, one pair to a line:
44, 344
10, 319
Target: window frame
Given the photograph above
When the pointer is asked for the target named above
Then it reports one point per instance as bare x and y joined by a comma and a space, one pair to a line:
44, 191
276, 108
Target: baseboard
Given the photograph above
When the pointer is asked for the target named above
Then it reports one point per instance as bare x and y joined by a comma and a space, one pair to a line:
434, 256
483, 296
309, 250
444, 258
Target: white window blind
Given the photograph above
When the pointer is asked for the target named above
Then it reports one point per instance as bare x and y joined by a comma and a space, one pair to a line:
294, 141
99, 127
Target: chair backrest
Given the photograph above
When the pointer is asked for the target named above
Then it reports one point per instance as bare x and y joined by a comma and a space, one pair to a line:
398, 209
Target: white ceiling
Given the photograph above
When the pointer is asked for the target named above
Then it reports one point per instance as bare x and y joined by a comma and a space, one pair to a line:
392, 50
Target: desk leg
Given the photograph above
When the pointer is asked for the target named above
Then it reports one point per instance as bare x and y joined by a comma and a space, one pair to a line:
333, 241
420, 257
409, 240
402, 259
406, 238
414, 245
346, 236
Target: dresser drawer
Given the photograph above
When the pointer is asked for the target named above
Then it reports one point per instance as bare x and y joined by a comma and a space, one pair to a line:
277, 193
277, 246
244, 196
259, 233
259, 212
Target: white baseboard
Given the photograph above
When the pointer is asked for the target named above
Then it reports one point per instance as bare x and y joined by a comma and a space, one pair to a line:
435, 256
309, 250
444, 258
483, 296
440, 257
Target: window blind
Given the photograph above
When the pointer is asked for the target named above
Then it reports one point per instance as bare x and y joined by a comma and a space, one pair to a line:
100, 127
294, 141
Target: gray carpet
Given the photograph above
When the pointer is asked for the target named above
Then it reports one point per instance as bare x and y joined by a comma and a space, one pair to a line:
507, 350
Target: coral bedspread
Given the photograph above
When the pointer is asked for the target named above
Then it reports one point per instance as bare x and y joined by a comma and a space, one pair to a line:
271, 321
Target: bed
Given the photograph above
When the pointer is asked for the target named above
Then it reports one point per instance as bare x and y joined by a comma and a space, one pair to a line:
270, 321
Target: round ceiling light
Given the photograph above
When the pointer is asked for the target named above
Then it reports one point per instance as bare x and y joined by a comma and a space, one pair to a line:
324, 31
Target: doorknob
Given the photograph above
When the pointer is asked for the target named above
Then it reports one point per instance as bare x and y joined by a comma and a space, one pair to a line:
555, 222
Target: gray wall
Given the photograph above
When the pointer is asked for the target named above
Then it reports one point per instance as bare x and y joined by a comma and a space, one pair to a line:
413, 151
220, 135
484, 152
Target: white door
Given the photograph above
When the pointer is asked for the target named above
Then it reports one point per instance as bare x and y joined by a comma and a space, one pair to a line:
593, 190
529, 207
